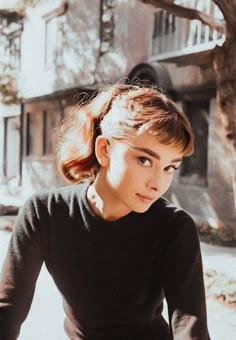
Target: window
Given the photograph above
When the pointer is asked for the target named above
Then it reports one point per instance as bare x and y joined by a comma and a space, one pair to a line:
54, 28
50, 42
194, 168
10, 43
34, 134
52, 121
40, 132
12, 146
15, 50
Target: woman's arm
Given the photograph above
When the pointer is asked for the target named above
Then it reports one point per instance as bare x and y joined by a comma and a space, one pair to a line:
20, 271
183, 284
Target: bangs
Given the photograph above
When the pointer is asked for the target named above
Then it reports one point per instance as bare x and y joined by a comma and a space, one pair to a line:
169, 131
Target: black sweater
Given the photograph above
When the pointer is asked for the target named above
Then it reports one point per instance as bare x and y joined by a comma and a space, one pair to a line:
113, 276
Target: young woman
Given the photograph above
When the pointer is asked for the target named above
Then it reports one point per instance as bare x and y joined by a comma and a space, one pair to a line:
113, 245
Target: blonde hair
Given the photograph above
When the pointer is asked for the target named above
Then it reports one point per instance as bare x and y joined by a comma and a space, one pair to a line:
141, 108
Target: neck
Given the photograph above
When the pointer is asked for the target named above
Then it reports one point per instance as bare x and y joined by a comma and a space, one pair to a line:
101, 202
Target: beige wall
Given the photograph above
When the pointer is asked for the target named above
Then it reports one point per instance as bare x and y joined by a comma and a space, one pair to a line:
78, 53
189, 76
132, 40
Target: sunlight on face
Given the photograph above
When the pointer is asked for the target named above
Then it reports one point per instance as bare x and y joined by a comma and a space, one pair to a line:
140, 170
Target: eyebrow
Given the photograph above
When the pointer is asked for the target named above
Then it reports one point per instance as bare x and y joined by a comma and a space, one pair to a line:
154, 154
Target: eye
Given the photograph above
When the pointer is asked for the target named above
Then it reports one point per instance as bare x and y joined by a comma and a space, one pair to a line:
171, 168
144, 161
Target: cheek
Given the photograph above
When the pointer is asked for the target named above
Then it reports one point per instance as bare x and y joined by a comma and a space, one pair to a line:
117, 173
119, 164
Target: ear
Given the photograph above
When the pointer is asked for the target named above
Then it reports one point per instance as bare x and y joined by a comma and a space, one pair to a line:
101, 150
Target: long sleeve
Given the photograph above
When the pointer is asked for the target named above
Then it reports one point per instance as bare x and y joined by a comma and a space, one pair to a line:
183, 285
20, 271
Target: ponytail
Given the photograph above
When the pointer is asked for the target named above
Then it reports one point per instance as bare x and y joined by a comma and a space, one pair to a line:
76, 157
78, 133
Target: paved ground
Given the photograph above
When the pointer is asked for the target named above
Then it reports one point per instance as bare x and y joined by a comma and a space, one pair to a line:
45, 320
221, 318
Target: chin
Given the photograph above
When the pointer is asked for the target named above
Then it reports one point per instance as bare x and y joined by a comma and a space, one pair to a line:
141, 209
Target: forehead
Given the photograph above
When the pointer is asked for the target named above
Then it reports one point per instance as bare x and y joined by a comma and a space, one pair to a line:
149, 144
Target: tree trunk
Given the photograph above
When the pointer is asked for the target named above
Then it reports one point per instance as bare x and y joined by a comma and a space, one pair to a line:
222, 179
225, 69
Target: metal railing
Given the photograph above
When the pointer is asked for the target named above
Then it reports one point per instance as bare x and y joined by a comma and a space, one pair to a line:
172, 34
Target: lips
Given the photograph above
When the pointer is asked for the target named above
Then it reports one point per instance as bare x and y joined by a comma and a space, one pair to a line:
145, 199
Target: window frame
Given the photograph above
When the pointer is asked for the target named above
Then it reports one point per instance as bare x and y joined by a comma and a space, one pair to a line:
51, 18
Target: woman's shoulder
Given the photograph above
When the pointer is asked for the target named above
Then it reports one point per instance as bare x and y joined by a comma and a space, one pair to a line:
173, 218
167, 209
181, 224
56, 197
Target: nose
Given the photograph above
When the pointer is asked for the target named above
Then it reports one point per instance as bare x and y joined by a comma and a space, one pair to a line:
154, 182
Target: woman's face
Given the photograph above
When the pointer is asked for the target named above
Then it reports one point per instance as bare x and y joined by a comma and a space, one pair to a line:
140, 170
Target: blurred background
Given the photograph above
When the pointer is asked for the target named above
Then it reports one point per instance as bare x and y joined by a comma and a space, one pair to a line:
52, 51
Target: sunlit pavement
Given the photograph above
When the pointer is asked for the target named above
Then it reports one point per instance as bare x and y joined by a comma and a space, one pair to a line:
46, 317
221, 318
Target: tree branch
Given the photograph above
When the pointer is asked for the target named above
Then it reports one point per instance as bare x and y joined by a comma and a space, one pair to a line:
188, 13
228, 8
223, 5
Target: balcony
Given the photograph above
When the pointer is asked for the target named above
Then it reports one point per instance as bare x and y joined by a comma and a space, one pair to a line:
183, 41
